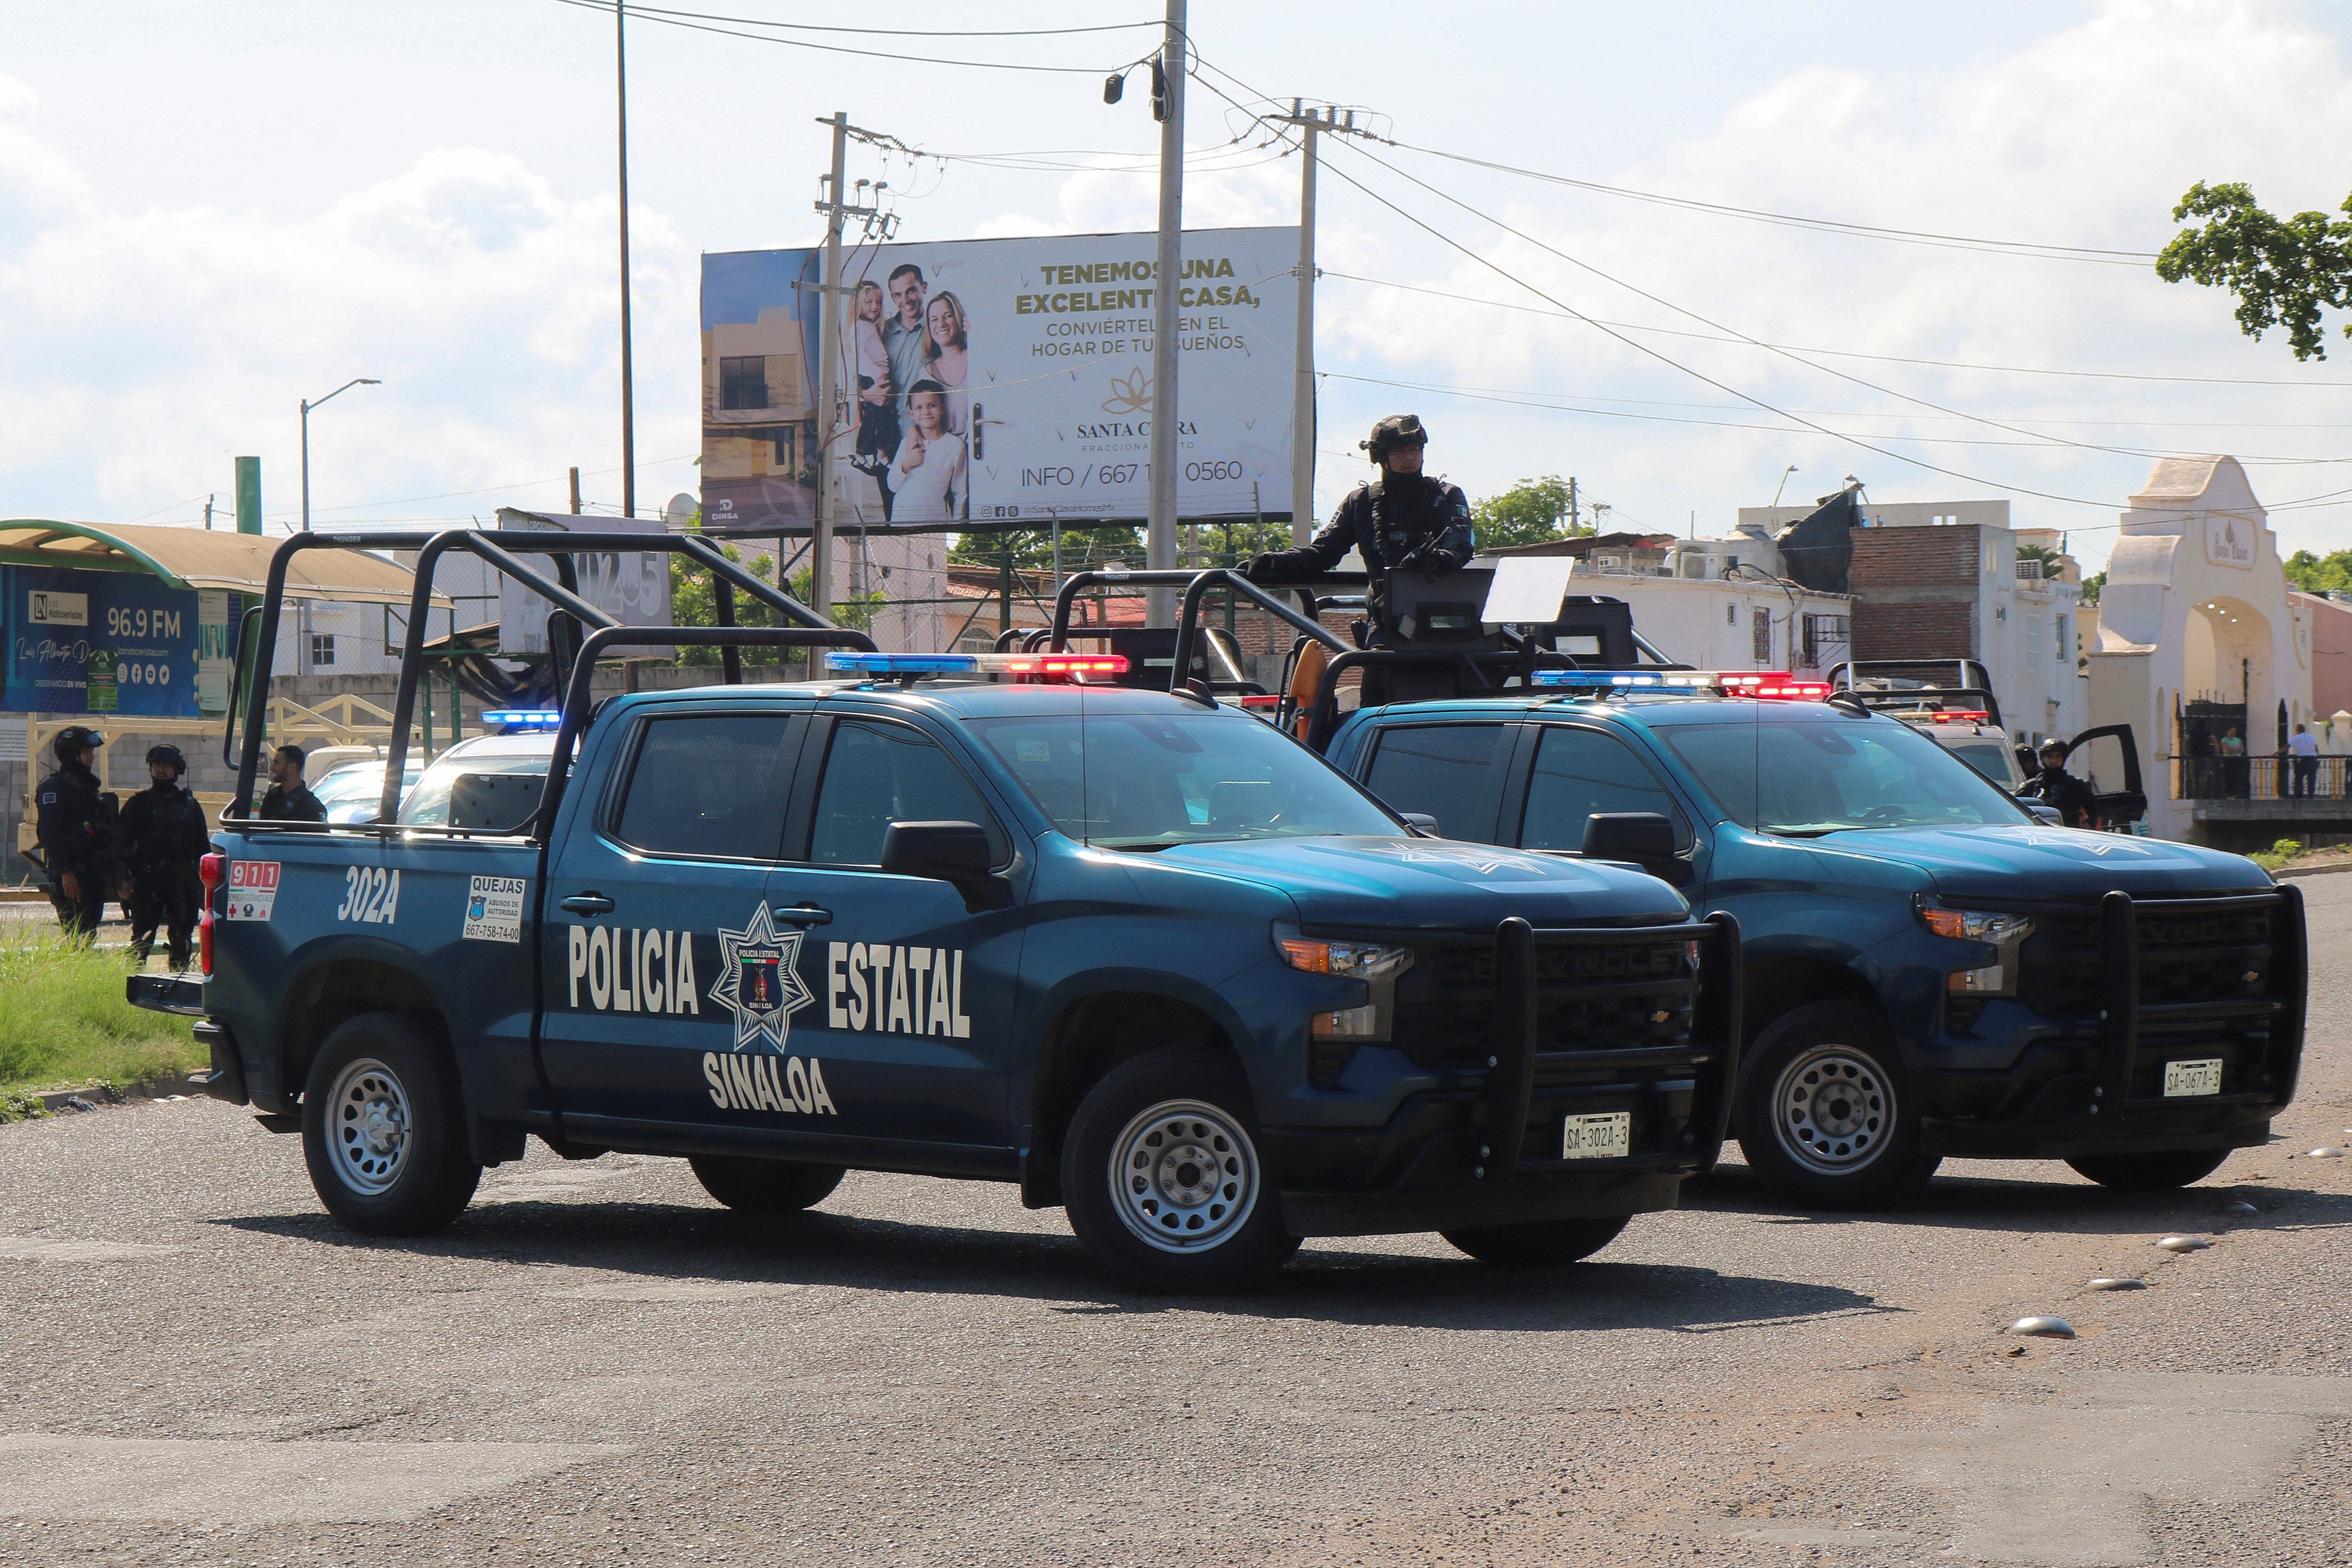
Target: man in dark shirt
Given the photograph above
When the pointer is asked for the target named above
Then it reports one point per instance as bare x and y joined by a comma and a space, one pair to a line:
75, 828
289, 799
163, 837
2053, 786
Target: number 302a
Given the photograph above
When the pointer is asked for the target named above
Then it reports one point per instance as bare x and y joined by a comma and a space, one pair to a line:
371, 895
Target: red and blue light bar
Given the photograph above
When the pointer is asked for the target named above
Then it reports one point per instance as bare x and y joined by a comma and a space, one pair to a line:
1045, 665
1774, 685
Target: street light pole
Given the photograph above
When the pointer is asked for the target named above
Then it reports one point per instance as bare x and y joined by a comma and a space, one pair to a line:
307, 404
1168, 274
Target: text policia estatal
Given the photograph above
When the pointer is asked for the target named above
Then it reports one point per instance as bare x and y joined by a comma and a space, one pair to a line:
632, 971
894, 990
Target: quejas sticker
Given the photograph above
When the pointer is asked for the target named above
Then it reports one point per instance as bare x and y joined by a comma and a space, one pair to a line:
494, 909
252, 890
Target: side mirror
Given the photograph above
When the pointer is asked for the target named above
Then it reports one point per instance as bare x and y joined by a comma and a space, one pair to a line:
2042, 811
1422, 823
956, 853
1645, 838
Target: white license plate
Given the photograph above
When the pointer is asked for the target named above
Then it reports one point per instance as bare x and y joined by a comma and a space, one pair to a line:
2192, 1078
1607, 1135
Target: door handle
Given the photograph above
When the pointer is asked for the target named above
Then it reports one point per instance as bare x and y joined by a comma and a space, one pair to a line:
587, 904
803, 913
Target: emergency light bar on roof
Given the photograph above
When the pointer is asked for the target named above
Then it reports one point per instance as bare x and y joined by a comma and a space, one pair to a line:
524, 718
1778, 685
1048, 666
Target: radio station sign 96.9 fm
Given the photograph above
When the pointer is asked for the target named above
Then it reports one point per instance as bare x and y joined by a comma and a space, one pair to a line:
111, 642
999, 378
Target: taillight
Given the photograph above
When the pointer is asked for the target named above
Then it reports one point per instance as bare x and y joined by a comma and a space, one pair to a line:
204, 940
211, 869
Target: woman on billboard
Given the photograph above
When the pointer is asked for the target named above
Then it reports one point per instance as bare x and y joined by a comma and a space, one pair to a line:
946, 356
927, 481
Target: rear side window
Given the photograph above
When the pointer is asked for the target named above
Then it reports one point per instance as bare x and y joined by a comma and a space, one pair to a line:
708, 785
1580, 772
1450, 772
876, 774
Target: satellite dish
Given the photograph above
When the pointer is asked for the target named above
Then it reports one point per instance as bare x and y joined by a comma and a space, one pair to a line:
681, 510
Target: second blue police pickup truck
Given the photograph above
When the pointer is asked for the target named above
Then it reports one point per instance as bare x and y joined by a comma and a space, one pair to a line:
1930, 970
1147, 957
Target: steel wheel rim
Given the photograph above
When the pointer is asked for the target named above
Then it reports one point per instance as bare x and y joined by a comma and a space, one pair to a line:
368, 1128
1834, 1109
1183, 1176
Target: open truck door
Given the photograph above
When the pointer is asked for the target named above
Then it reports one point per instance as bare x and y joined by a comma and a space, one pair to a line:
2107, 759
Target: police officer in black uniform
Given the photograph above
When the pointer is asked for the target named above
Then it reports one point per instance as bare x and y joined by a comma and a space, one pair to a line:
289, 799
164, 837
2053, 786
1402, 521
75, 824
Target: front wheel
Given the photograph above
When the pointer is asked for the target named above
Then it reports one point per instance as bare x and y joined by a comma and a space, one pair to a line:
384, 1127
1541, 1243
1824, 1116
1162, 1179
763, 1186
2152, 1173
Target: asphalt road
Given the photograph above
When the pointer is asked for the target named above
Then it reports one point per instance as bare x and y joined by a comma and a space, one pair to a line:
598, 1365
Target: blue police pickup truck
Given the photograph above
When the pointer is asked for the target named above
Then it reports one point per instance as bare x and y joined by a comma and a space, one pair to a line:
1144, 955
1929, 969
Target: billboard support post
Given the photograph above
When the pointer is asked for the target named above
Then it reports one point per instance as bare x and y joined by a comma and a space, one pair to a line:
1159, 533
828, 372
628, 370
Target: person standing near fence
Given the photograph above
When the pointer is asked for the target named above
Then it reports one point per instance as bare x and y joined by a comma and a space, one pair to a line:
76, 827
2305, 748
163, 837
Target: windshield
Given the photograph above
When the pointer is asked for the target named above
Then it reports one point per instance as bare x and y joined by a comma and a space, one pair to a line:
353, 792
1814, 776
1991, 758
1145, 782
429, 802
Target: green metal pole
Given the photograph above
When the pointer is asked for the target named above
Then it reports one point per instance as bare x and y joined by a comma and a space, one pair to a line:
249, 495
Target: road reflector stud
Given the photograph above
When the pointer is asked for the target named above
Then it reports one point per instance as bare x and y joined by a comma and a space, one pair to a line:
2240, 1207
2184, 1243
2043, 1328
2104, 1283
2329, 1153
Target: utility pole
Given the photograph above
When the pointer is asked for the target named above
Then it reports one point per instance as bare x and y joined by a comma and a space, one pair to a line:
628, 372
828, 351
1168, 107
1572, 513
575, 492
1309, 123
208, 513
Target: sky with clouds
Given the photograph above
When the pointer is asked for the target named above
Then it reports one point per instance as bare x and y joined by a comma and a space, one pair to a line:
208, 212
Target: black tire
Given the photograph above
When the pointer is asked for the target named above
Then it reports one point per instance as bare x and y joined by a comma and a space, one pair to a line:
1858, 1151
1540, 1244
764, 1186
2151, 1172
1164, 1181
384, 1127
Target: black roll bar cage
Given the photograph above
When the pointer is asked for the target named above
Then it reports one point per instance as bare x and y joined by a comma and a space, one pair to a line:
500, 548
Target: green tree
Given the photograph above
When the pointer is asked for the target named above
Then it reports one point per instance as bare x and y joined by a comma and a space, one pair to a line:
1529, 512
2318, 573
694, 601
2283, 271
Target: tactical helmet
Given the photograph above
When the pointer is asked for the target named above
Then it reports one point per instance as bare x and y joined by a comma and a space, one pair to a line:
169, 755
1396, 430
72, 739
2054, 744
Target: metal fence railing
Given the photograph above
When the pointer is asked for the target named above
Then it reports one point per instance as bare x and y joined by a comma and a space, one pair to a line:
2261, 778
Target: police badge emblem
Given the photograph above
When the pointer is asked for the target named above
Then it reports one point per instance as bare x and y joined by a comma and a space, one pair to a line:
758, 982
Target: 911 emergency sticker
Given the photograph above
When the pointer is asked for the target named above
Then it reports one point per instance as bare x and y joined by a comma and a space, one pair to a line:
370, 896
494, 909
252, 890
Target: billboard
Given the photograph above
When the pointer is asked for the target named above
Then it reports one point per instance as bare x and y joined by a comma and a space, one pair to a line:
630, 585
999, 379
97, 642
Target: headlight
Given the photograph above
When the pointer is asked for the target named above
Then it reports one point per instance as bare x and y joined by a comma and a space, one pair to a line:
1978, 925
1349, 960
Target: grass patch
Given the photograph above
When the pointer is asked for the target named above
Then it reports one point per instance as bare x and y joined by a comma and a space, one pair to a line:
63, 1019
2277, 855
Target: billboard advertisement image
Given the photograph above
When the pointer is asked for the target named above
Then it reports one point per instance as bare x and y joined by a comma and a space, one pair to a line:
998, 380
97, 642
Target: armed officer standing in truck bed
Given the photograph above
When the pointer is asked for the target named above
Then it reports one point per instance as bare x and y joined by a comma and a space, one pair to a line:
163, 837
76, 827
1402, 521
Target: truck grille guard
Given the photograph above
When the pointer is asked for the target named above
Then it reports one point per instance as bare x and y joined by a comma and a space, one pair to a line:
1712, 1052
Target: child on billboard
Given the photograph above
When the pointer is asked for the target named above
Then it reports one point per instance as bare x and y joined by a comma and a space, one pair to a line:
927, 481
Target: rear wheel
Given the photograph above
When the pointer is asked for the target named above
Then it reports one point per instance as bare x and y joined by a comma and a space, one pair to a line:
1824, 1116
764, 1186
384, 1127
2151, 1172
1161, 1176
1542, 1243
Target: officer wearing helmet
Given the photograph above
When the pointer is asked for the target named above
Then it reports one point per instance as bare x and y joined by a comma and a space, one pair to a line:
75, 825
163, 837
1402, 519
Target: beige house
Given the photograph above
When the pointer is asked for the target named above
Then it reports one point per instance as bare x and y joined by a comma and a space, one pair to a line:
755, 399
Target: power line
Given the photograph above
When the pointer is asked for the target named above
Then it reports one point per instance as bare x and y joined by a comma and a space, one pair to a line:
898, 32
1842, 353
602, 8
2103, 255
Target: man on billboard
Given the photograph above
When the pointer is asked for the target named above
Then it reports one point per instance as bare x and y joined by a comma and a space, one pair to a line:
1402, 521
